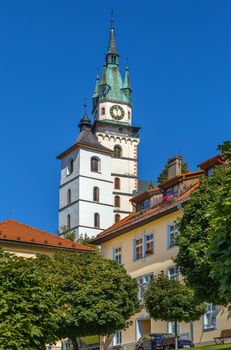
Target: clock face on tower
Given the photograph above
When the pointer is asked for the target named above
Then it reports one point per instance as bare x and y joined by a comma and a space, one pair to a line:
117, 112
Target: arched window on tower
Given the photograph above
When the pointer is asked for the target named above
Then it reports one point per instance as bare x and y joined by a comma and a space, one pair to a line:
117, 201
96, 194
95, 164
129, 115
117, 217
68, 222
117, 183
102, 111
69, 196
96, 220
70, 166
117, 151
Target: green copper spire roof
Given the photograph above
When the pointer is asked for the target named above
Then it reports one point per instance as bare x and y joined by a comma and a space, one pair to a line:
111, 87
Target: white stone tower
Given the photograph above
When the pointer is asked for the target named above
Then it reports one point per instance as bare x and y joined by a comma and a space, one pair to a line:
99, 172
85, 200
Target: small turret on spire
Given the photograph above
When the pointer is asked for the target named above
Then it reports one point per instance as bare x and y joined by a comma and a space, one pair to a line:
127, 84
85, 123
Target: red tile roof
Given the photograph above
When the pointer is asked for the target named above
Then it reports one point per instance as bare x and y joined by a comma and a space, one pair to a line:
174, 180
211, 162
138, 219
12, 231
146, 194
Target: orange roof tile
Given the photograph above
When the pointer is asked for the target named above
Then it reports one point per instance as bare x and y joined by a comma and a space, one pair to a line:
14, 231
174, 180
211, 162
137, 219
146, 194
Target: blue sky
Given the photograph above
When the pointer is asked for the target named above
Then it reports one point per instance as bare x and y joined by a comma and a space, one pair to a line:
179, 57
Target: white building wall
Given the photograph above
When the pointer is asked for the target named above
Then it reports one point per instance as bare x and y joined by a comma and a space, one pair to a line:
81, 183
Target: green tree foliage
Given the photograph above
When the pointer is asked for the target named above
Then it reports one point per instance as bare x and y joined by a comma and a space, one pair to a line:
164, 173
170, 300
220, 222
28, 315
97, 296
204, 236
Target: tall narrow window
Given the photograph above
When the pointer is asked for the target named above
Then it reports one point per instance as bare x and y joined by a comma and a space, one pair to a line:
68, 221
149, 241
96, 194
172, 230
70, 166
96, 220
143, 282
95, 164
117, 255
117, 217
102, 111
129, 115
138, 248
117, 151
117, 201
209, 318
117, 338
117, 183
69, 196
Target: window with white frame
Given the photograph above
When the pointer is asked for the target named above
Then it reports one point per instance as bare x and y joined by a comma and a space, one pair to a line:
209, 318
117, 255
172, 272
171, 327
149, 243
171, 231
138, 253
117, 338
143, 282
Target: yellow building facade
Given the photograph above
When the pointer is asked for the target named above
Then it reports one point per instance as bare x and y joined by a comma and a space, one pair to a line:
144, 243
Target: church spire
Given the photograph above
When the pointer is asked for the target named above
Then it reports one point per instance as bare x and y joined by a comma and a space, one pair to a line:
85, 122
112, 56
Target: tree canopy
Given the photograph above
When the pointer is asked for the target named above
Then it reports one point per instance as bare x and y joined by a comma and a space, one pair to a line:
204, 236
219, 250
28, 312
96, 295
170, 300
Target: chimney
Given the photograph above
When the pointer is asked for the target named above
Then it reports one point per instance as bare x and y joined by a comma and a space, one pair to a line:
174, 166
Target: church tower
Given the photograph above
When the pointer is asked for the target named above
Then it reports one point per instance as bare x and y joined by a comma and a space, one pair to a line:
112, 111
99, 172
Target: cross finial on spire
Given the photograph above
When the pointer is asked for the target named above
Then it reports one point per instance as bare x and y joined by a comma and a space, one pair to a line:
112, 19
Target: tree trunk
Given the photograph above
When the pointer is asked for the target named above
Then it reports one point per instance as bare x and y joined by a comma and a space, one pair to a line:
176, 336
75, 344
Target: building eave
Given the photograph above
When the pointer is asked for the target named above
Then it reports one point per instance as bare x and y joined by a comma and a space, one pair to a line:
118, 232
83, 146
35, 245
